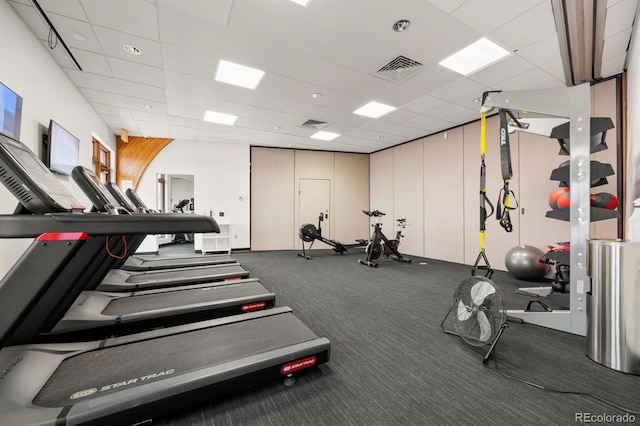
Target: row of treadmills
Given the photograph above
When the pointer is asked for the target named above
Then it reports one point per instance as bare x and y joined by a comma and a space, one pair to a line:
92, 335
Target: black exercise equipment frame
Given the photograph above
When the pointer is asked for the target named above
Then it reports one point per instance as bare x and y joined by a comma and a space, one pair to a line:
376, 249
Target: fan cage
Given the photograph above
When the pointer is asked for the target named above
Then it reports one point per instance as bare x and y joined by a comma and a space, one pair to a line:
462, 319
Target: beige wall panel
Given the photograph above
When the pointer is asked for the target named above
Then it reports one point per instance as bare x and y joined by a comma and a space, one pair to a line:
444, 196
603, 104
408, 199
538, 157
272, 199
497, 240
351, 197
381, 181
313, 165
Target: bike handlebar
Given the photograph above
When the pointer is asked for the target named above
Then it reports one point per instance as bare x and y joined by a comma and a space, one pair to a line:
374, 213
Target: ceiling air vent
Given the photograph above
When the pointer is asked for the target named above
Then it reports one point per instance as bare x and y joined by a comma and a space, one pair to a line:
399, 69
314, 124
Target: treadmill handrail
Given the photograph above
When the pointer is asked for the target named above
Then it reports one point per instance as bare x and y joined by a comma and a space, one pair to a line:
30, 226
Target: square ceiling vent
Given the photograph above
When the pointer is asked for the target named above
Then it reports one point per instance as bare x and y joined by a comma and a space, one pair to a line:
399, 69
314, 124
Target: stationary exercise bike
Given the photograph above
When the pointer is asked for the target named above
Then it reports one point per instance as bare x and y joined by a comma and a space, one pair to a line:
308, 233
380, 245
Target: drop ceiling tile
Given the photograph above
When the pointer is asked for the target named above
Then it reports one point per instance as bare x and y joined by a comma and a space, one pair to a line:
447, 6
120, 122
424, 104
184, 122
504, 69
616, 45
93, 81
620, 17
69, 8
358, 53
460, 88
152, 130
541, 51
139, 73
60, 55
32, 18
526, 81
400, 116
215, 12
184, 111
613, 65
112, 111
527, 28
319, 38
270, 21
351, 82
187, 83
295, 64
70, 29
449, 110
149, 117
91, 62
423, 82
427, 125
147, 105
136, 17
189, 62
96, 96
487, 15
184, 133
138, 90
555, 68
113, 43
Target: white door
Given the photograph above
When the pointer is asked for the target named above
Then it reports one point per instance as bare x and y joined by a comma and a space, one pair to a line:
315, 195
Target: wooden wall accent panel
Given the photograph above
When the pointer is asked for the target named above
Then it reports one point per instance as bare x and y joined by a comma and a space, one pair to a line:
134, 157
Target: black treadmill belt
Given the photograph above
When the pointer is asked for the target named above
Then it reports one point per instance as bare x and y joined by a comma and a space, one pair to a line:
150, 302
183, 261
102, 371
164, 275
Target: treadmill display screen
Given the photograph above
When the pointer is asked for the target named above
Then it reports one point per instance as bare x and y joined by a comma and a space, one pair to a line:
31, 181
94, 188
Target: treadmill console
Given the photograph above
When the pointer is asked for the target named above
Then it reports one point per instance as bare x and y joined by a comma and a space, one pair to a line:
31, 182
119, 195
93, 188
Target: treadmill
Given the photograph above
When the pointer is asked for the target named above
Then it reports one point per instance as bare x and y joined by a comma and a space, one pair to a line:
137, 263
125, 379
96, 313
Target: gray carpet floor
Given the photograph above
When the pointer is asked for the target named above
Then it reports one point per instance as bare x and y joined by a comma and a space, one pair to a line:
391, 363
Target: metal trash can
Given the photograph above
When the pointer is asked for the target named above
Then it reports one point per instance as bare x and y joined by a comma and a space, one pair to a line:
613, 305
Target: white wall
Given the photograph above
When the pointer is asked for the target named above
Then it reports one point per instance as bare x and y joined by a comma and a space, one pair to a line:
221, 180
29, 70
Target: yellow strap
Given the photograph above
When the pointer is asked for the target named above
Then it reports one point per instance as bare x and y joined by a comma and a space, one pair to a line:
481, 241
483, 132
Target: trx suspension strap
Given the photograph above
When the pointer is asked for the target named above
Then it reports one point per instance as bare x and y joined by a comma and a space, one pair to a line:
483, 201
505, 195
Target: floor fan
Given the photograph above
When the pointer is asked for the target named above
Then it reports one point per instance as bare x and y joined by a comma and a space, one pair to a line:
477, 314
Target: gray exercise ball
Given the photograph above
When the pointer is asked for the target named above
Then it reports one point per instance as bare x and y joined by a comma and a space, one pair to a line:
523, 262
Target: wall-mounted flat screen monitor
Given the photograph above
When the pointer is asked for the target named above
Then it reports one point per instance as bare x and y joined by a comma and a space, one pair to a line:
64, 149
10, 112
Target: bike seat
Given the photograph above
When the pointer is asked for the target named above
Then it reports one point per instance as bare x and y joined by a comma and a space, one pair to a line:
401, 220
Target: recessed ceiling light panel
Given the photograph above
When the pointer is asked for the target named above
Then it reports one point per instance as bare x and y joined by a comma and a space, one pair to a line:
474, 57
374, 109
301, 2
238, 75
324, 136
220, 118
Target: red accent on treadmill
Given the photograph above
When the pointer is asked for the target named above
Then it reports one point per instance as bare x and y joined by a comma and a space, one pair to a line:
253, 306
298, 365
62, 236
232, 279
